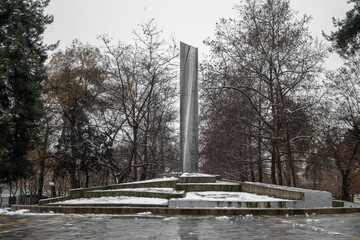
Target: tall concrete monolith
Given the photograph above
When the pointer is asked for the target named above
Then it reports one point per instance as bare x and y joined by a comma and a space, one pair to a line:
189, 107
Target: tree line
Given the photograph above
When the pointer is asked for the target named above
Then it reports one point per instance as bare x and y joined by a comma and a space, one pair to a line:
92, 116
272, 113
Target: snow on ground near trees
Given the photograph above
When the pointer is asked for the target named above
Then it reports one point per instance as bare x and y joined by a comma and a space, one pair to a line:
7, 211
115, 200
229, 196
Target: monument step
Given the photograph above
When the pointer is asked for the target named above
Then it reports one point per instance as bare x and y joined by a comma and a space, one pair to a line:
154, 183
165, 193
197, 178
114, 201
51, 200
305, 197
217, 186
169, 175
192, 203
134, 205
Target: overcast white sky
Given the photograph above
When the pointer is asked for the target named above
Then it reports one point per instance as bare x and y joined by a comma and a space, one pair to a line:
190, 21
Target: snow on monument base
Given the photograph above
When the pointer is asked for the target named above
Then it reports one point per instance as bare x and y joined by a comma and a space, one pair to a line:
305, 198
194, 190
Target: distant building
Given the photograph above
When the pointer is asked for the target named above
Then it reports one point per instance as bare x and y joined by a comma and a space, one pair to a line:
4, 198
356, 198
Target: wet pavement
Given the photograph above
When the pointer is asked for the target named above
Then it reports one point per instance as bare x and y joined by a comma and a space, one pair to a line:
149, 226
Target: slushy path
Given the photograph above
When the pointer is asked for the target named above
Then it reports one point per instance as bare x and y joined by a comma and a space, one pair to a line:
148, 226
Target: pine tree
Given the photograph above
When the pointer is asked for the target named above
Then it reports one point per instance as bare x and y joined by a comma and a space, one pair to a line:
345, 40
22, 71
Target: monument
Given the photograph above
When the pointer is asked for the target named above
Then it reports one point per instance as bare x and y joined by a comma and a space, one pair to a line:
189, 107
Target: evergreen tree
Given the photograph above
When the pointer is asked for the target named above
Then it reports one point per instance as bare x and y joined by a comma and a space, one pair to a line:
22, 71
345, 39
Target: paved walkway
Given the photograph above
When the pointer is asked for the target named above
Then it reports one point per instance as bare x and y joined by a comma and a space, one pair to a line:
149, 226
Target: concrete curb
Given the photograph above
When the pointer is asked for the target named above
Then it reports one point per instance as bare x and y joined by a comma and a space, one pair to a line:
181, 211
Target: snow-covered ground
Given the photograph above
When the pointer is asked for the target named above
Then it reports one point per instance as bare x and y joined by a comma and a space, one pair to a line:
229, 196
7, 211
115, 200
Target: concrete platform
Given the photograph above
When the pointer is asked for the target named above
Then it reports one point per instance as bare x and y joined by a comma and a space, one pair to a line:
182, 211
209, 190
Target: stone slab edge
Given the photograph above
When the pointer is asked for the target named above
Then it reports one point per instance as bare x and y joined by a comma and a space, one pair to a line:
271, 191
80, 192
309, 198
181, 211
51, 200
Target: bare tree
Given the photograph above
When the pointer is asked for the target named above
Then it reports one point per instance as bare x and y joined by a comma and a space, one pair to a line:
74, 76
343, 123
269, 58
140, 85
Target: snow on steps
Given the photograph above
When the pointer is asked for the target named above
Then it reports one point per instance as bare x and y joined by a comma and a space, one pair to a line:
165, 193
163, 188
156, 183
305, 198
118, 201
214, 199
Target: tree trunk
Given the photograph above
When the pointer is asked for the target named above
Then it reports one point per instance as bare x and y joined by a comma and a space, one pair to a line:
134, 151
278, 165
73, 179
273, 165
275, 161
252, 173
41, 177
86, 178
125, 174
345, 195
259, 160
251, 160
290, 160
143, 174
